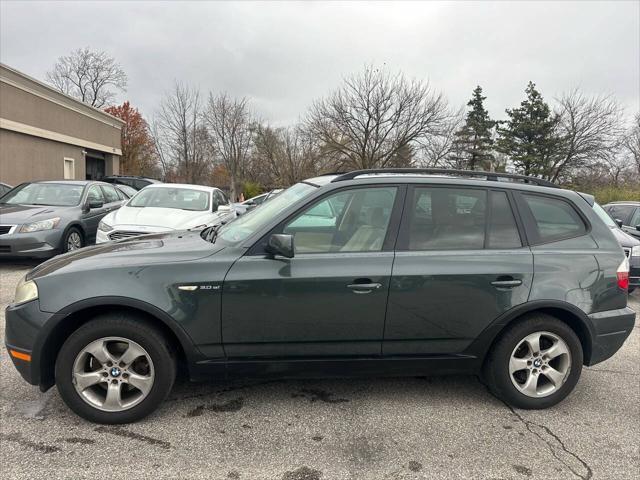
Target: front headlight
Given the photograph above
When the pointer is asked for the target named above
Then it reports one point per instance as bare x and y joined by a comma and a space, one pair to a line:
635, 251
25, 291
41, 225
104, 227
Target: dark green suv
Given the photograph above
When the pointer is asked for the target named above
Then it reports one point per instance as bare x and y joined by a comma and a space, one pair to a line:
393, 272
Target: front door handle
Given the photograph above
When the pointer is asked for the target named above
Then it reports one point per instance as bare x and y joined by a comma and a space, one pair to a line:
364, 287
507, 283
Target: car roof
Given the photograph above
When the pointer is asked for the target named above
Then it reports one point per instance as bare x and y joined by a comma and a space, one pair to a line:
622, 202
202, 188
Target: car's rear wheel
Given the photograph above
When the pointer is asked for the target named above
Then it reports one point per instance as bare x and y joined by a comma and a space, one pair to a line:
73, 240
536, 363
115, 369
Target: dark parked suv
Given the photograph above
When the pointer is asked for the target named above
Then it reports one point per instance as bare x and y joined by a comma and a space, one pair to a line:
393, 272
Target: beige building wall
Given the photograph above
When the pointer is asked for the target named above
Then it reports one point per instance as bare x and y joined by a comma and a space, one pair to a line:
40, 127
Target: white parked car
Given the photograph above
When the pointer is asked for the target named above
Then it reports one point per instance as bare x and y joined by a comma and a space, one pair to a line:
164, 207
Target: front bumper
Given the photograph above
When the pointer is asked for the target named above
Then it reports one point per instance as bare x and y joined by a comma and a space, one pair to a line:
611, 329
43, 244
26, 332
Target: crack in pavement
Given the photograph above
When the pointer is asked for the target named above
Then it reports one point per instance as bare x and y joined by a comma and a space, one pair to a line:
587, 475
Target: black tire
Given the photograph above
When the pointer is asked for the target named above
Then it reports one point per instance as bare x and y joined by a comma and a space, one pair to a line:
73, 232
496, 368
129, 327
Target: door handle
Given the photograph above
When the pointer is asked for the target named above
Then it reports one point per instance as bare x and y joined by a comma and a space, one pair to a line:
507, 283
364, 287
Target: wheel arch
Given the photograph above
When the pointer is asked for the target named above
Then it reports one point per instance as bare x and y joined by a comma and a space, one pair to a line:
73, 317
571, 315
73, 224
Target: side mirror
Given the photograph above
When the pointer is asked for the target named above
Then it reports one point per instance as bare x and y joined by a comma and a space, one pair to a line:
618, 222
281, 244
95, 204
224, 209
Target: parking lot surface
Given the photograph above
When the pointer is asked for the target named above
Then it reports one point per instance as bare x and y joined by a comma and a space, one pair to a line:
378, 428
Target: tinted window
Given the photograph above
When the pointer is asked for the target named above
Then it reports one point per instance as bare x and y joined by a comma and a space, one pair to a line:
554, 218
110, 194
502, 231
447, 219
620, 212
140, 184
348, 221
635, 219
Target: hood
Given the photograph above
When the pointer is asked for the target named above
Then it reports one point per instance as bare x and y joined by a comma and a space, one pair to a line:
146, 250
624, 239
165, 218
20, 214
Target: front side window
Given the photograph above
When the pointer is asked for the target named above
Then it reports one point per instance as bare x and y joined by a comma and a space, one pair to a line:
621, 212
110, 194
446, 219
635, 219
353, 220
554, 218
168, 197
50, 194
95, 195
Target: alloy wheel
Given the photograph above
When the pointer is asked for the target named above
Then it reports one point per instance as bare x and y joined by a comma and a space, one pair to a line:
540, 364
113, 374
74, 241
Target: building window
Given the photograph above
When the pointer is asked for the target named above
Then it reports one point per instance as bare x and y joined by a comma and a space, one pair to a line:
69, 169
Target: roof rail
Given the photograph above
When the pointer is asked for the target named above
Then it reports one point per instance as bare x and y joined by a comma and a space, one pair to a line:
490, 176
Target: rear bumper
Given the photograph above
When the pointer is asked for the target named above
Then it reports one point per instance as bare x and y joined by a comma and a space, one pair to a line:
611, 329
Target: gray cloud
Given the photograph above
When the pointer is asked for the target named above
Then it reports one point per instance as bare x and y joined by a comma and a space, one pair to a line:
283, 55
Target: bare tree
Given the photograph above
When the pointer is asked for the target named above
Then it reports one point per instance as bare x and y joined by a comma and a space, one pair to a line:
180, 135
438, 150
631, 142
285, 155
375, 118
229, 125
590, 129
88, 75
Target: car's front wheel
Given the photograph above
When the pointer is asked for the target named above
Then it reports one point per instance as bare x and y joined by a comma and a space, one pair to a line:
536, 363
115, 369
72, 240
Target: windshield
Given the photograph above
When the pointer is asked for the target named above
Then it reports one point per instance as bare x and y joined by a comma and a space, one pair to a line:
604, 215
168, 197
49, 194
252, 221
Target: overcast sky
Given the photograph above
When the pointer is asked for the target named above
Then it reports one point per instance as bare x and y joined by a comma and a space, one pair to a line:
284, 55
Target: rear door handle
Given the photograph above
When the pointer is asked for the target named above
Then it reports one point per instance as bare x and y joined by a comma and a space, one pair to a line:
364, 287
507, 283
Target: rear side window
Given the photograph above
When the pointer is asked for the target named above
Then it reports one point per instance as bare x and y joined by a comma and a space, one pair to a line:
554, 219
635, 220
447, 219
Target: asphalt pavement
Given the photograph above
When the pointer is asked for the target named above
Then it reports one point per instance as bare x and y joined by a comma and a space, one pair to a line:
377, 428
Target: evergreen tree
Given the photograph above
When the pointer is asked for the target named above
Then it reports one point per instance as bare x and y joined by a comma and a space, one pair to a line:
473, 142
530, 136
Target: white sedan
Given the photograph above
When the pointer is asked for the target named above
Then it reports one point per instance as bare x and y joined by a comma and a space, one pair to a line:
165, 207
